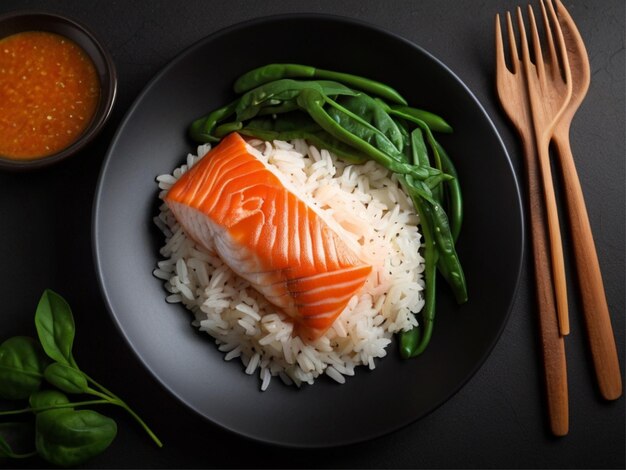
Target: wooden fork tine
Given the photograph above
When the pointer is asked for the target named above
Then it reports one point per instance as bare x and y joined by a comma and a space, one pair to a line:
567, 73
524, 41
512, 42
554, 69
499, 48
537, 43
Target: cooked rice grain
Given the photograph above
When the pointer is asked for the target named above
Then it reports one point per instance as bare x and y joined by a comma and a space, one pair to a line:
369, 210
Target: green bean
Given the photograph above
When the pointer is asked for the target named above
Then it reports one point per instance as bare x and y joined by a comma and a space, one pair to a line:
438, 190
415, 341
455, 197
435, 122
370, 110
448, 254
418, 146
201, 130
269, 73
409, 341
282, 108
382, 134
272, 72
276, 97
403, 127
329, 112
224, 129
301, 128
364, 84
424, 126
313, 101
450, 265
274, 93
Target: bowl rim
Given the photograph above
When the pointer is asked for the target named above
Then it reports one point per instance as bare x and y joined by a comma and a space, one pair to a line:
98, 250
108, 91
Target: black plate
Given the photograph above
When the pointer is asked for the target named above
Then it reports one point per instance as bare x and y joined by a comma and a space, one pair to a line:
152, 140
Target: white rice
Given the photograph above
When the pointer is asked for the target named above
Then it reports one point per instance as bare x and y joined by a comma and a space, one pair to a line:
366, 206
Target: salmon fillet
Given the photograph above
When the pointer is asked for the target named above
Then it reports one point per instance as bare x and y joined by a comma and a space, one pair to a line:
231, 201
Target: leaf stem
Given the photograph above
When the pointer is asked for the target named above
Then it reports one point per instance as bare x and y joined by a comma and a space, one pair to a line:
112, 398
54, 407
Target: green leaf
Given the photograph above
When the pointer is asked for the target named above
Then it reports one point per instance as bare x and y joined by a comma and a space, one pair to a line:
384, 132
279, 92
68, 437
20, 435
5, 448
55, 327
418, 147
298, 125
66, 378
22, 362
44, 398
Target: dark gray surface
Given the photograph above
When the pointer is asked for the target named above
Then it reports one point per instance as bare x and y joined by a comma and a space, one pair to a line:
497, 420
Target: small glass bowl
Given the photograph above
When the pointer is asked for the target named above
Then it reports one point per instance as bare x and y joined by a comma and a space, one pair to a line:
17, 22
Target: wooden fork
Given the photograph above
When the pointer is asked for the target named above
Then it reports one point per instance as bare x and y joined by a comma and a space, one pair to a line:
513, 94
549, 89
595, 308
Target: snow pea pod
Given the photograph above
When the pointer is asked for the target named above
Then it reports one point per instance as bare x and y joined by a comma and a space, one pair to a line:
271, 72
433, 121
454, 215
329, 112
273, 98
369, 119
420, 157
418, 147
313, 102
415, 341
438, 190
226, 128
450, 265
201, 130
455, 197
279, 91
363, 129
439, 252
282, 108
422, 125
448, 255
300, 126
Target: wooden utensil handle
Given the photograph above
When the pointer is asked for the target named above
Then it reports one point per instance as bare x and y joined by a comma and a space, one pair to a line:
595, 308
552, 343
554, 235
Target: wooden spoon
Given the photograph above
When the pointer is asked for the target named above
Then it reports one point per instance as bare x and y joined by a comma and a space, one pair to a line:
595, 309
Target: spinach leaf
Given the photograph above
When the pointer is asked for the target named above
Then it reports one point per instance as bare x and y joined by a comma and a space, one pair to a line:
22, 362
20, 434
66, 378
67, 437
44, 398
5, 448
55, 327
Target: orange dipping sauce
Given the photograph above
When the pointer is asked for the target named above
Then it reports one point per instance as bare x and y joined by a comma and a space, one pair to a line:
49, 91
